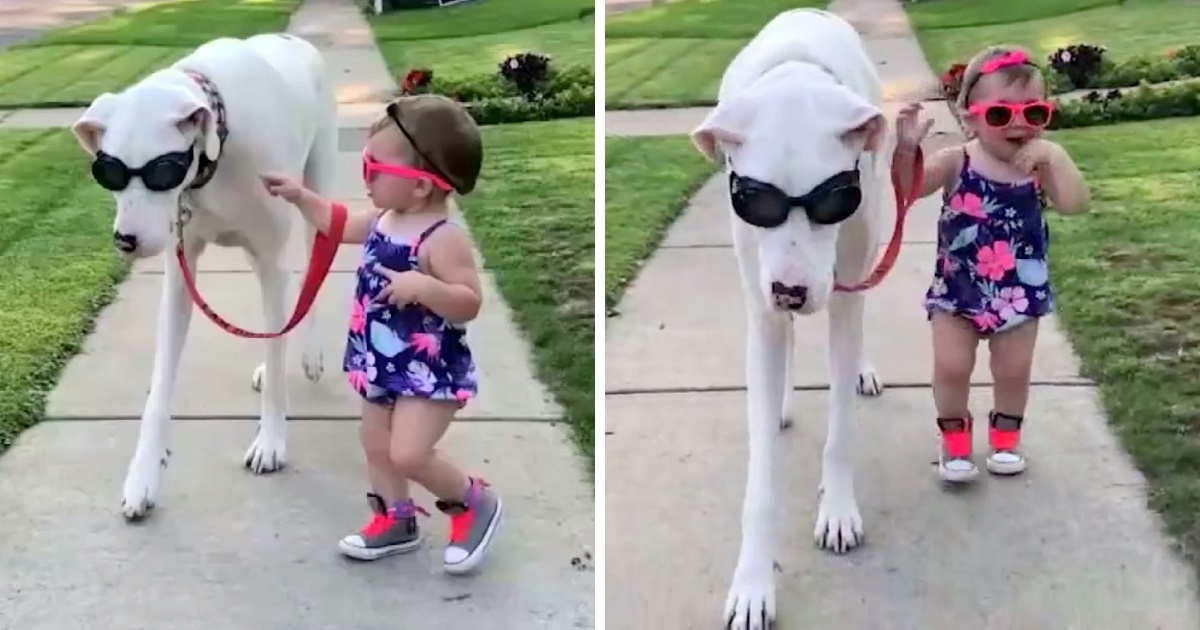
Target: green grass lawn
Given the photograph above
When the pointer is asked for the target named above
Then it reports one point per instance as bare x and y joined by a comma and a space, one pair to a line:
572, 42
70, 66
46, 76
57, 266
1137, 27
701, 19
534, 219
647, 184
478, 17
674, 54
1128, 277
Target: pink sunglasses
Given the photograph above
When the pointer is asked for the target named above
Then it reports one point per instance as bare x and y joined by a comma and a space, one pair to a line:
371, 167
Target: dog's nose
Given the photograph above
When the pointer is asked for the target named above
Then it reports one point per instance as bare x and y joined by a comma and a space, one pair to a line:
791, 298
126, 243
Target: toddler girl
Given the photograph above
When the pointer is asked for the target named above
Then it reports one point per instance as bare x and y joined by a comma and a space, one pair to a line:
990, 280
407, 354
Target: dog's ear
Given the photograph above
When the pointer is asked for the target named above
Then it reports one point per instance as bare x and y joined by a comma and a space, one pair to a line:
90, 126
199, 116
728, 122
862, 123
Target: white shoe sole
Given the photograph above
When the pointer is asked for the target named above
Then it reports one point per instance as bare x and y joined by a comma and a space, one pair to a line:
1006, 468
957, 476
363, 553
473, 559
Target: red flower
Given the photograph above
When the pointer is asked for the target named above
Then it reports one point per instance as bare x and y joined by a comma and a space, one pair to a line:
952, 80
415, 80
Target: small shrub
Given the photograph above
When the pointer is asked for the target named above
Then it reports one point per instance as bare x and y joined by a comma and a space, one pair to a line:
1081, 63
494, 98
527, 71
1143, 103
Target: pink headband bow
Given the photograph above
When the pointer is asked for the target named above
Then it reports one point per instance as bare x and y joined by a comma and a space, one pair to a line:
1014, 58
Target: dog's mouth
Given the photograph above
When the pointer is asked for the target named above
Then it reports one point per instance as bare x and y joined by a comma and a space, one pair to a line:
789, 298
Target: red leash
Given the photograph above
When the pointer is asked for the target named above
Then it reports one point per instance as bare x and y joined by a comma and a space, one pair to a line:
903, 205
324, 249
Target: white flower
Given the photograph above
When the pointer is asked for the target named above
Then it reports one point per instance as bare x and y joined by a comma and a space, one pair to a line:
1065, 57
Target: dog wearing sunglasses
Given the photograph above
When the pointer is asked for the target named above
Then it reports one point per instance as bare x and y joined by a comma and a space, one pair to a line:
799, 128
182, 150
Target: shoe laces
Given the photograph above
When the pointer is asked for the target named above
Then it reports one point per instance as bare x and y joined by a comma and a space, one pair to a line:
379, 524
460, 525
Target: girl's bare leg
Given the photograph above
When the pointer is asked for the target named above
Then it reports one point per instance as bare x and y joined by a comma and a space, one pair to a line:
1012, 366
376, 436
954, 343
473, 508
416, 427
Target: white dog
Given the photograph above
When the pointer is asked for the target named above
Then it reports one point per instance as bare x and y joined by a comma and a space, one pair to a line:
798, 108
182, 151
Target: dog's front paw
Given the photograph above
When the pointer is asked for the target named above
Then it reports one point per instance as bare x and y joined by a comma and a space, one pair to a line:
141, 484
314, 364
839, 525
268, 451
750, 604
869, 383
256, 379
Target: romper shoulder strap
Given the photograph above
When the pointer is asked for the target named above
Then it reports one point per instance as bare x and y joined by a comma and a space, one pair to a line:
964, 164
426, 234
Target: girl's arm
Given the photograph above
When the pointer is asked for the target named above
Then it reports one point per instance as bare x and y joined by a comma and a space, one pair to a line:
453, 290
1064, 185
317, 210
940, 168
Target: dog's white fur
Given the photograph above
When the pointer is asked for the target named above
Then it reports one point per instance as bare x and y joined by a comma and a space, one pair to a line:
282, 117
799, 103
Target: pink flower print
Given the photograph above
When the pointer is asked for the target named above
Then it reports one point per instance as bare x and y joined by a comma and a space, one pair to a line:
425, 342
995, 261
1009, 302
986, 320
358, 316
969, 204
358, 380
462, 395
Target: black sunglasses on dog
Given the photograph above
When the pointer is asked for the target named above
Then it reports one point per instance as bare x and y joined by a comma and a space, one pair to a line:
764, 205
160, 174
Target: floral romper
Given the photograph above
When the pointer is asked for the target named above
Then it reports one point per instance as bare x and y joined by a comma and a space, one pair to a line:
397, 352
991, 254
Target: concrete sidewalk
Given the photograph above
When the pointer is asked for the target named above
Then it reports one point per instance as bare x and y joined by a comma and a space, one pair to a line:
1068, 545
227, 549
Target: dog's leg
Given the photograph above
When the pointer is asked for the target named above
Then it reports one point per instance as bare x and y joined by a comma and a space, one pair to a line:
312, 359
268, 450
320, 173
839, 525
142, 480
788, 415
751, 600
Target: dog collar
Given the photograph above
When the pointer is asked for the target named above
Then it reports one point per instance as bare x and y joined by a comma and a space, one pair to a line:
206, 168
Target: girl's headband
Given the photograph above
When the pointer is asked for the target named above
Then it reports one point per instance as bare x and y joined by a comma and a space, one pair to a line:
1014, 58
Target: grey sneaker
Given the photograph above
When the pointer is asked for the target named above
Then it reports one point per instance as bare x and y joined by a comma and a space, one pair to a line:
472, 525
389, 532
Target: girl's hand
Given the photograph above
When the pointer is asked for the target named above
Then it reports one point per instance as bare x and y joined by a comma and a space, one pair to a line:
1037, 154
910, 131
283, 186
404, 287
